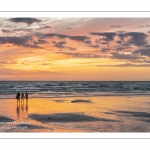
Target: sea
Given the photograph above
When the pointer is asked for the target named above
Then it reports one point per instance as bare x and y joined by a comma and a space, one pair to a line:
48, 89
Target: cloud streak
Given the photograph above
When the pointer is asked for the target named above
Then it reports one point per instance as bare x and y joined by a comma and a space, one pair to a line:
136, 38
123, 56
145, 52
115, 26
63, 36
28, 21
108, 35
126, 65
80, 55
25, 41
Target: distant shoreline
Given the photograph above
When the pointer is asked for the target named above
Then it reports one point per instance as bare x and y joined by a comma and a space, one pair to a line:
74, 81
82, 96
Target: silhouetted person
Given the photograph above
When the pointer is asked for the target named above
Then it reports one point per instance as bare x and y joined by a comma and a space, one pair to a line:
26, 96
22, 96
21, 108
18, 96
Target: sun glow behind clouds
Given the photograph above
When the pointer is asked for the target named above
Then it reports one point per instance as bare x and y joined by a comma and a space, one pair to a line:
75, 48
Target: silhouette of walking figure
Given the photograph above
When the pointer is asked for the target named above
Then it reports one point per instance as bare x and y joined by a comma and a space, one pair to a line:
26, 96
22, 96
18, 96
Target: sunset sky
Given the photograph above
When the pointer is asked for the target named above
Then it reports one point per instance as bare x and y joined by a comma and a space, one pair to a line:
103, 49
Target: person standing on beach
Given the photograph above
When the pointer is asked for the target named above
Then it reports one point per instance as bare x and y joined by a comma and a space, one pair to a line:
22, 96
18, 96
26, 96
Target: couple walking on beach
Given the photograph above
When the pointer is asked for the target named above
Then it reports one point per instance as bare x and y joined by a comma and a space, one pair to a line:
22, 96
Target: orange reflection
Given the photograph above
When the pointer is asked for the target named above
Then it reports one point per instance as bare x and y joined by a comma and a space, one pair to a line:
18, 109
99, 106
22, 108
27, 105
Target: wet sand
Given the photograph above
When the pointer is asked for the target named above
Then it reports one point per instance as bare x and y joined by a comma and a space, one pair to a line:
76, 114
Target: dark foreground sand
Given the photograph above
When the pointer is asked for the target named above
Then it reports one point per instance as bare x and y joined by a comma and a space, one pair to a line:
93, 114
67, 117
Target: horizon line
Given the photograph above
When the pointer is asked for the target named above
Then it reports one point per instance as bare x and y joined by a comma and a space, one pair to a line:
78, 80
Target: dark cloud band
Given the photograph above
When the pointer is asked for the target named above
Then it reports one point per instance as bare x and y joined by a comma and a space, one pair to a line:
29, 21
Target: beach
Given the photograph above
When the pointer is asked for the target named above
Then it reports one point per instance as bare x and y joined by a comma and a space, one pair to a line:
76, 114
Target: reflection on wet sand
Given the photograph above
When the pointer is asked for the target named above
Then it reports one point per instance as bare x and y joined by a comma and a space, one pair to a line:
22, 108
18, 108
27, 105
81, 114
22, 104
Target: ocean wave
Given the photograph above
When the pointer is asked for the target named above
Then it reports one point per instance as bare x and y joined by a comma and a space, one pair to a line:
88, 94
71, 88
